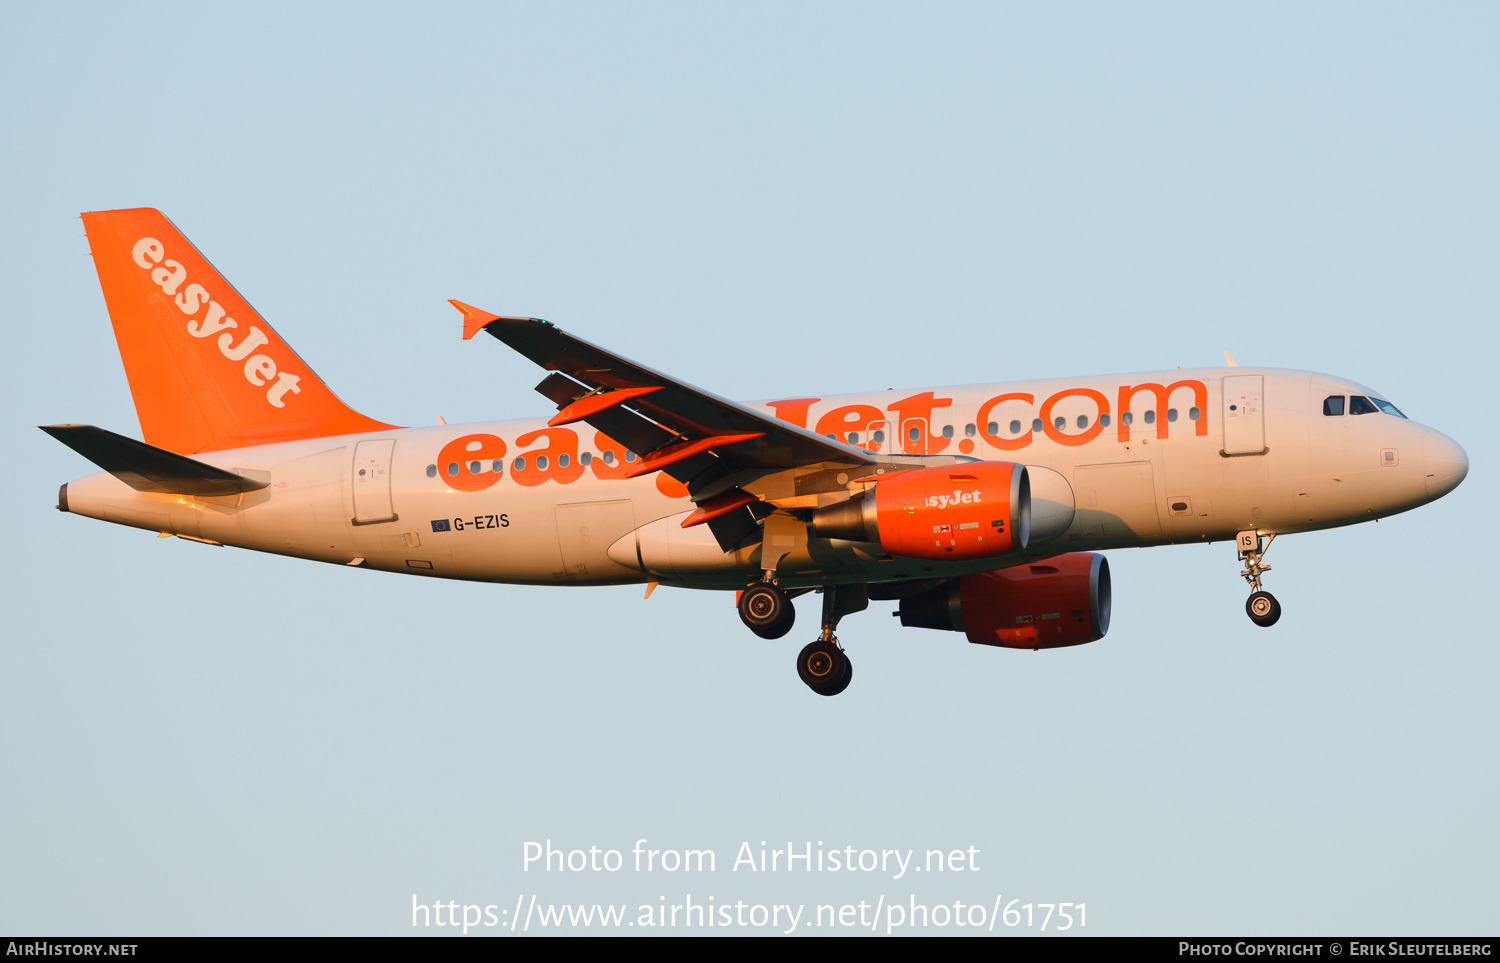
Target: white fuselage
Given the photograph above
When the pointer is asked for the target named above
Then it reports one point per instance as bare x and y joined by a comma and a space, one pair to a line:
1224, 451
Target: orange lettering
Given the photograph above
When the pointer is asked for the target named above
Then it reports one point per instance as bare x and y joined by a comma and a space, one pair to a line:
1008, 444
851, 418
617, 470
669, 486
561, 455
918, 410
1056, 434
460, 457
1163, 399
796, 409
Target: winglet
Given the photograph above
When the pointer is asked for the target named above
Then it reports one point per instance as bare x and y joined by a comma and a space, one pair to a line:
1229, 360
474, 319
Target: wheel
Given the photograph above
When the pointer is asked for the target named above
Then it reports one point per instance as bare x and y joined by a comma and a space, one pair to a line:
824, 667
766, 611
1263, 609
844, 682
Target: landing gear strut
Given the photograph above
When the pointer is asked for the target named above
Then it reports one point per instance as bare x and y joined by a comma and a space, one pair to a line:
822, 663
1262, 606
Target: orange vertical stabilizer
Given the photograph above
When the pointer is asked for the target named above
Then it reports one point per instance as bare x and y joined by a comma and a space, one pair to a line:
206, 371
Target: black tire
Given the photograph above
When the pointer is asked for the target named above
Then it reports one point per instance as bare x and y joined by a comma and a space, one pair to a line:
1263, 609
844, 682
767, 611
823, 667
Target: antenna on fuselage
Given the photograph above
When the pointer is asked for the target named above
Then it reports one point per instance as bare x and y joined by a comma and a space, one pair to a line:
1229, 360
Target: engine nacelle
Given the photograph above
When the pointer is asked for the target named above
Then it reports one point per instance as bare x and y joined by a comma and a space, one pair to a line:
969, 510
1045, 605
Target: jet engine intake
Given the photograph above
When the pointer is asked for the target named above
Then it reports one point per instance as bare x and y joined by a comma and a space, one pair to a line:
969, 510
1060, 601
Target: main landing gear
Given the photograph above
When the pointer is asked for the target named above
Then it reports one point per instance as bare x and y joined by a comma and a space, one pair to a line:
822, 664
1261, 606
766, 609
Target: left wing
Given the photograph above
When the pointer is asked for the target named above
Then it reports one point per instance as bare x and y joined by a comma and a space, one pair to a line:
691, 434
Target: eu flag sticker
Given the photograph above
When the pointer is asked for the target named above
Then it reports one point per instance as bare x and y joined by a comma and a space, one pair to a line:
440, 525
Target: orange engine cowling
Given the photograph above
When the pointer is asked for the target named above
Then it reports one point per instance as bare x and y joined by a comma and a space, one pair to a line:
969, 510
1045, 605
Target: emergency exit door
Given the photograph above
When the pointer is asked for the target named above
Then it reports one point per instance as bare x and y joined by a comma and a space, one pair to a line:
372, 481
1244, 415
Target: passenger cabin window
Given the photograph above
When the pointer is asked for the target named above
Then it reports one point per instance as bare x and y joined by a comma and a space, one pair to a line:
1333, 405
970, 431
1059, 422
1036, 424
518, 465
541, 462
1194, 414
497, 465
431, 471
474, 468
1104, 420
1150, 417
1171, 414
878, 437
1015, 428
452, 468
1127, 418
1360, 405
585, 457
947, 431
562, 461
608, 456
1083, 421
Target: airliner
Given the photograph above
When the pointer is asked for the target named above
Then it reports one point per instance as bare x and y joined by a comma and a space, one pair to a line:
978, 509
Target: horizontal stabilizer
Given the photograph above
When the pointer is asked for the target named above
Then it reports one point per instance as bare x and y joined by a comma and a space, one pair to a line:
149, 469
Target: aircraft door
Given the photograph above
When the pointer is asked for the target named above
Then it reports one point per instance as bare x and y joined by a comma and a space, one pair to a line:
372, 481
1244, 415
914, 436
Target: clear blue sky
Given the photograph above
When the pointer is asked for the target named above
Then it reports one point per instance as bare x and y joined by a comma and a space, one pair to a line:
766, 201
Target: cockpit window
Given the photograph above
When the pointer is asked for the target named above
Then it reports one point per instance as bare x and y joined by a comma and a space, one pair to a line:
1360, 405
1333, 405
1387, 407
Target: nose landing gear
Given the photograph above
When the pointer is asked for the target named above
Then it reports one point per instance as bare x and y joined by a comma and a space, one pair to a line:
1262, 606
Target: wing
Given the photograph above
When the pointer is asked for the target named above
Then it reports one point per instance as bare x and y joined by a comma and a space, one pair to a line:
675, 426
711, 444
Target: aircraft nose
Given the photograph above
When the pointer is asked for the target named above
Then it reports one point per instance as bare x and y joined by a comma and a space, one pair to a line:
1443, 462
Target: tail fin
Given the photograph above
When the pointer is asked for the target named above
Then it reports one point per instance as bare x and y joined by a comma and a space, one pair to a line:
206, 371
